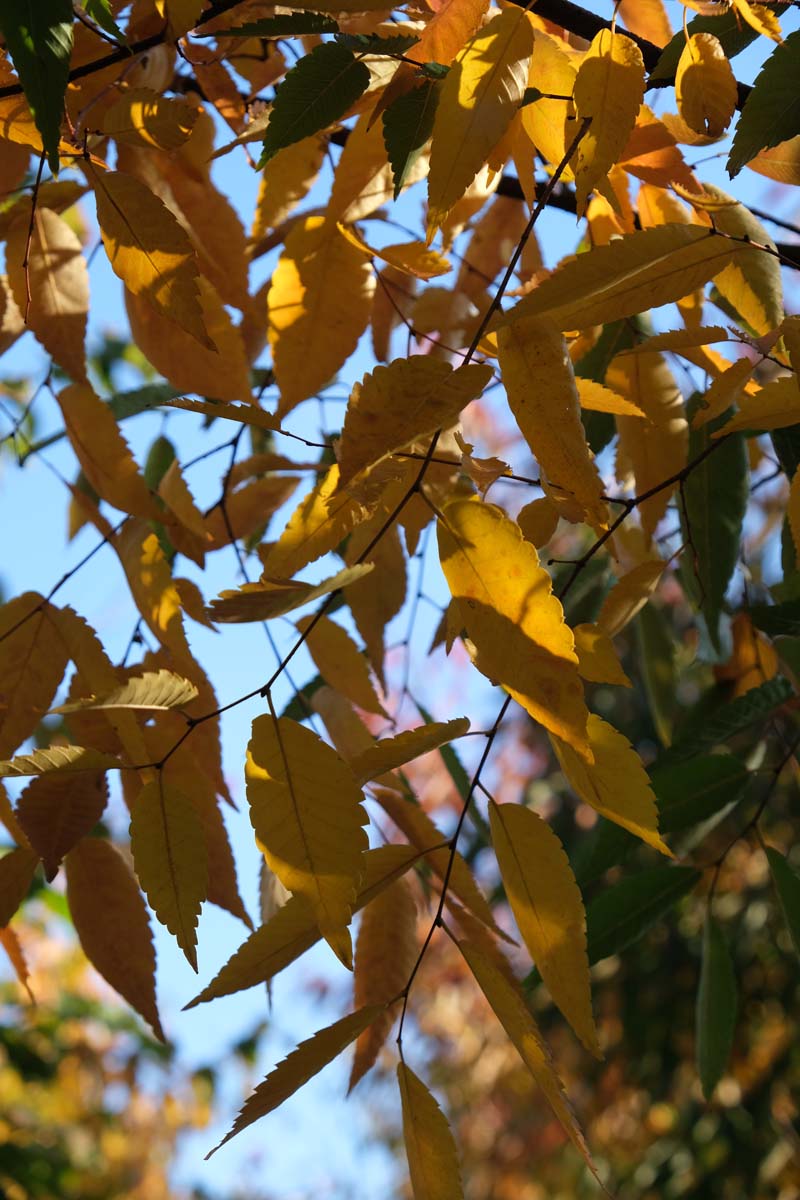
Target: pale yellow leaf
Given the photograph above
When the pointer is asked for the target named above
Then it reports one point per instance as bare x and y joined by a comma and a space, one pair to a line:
548, 908
594, 397
152, 691
609, 89
760, 18
285, 181
408, 399
507, 606
616, 784
219, 369
410, 258
550, 124
628, 595
292, 929
311, 332
305, 807
319, 523
104, 454
58, 758
478, 101
393, 752
509, 1006
386, 950
57, 282
301, 1065
781, 162
169, 853
110, 918
274, 598
340, 662
705, 86
637, 272
148, 249
542, 394
597, 659
430, 1149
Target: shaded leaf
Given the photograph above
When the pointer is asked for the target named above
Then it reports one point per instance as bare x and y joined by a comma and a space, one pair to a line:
393, 752
716, 1007
621, 914
772, 110
430, 1149
407, 126
787, 885
274, 598
58, 758
33, 659
17, 868
730, 719
57, 810
340, 662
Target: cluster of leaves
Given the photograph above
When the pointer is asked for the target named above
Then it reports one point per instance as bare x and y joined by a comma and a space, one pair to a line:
452, 94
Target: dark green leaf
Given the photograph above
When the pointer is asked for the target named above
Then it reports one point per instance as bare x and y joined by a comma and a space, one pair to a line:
786, 444
730, 719
299, 707
434, 70
657, 656
620, 915
319, 90
38, 35
530, 96
100, 11
716, 1007
787, 885
714, 499
777, 620
372, 43
772, 111
280, 26
407, 125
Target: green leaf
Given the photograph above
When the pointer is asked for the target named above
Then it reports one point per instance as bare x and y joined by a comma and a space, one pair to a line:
622, 914
38, 35
777, 620
787, 885
407, 125
786, 444
372, 43
772, 111
716, 1007
100, 12
280, 26
314, 94
730, 719
714, 499
657, 656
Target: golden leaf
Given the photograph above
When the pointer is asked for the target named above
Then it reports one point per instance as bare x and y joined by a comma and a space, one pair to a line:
629, 595
274, 598
285, 181
507, 606
393, 752
110, 918
144, 117
705, 86
597, 659
548, 907
340, 662
305, 808
431, 1151
775, 406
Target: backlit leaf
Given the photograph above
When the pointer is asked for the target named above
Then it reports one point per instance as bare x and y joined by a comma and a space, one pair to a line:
38, 35
58, 758
548, 909
144, 117
705, 86
431, 1151
393, 752
268, 599
305, 808
340, 662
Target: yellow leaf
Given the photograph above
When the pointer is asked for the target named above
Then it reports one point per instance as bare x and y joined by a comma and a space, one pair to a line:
340, 662
311, 332
33, 659
550, 124
507, 606
17, 869
430, 1149
648, 19
364, 180
724, 391
393, 752
760, 18
781, 162
597, 659
616, 784
182, 15
110, 919
651, 154
152, 587
188, 530
220, 370
169, 853
448, 31
410, 258
542, 394
538, 521
305, 808
103, 453
244, 414
596, 398
152, 691
635, 273
628, 595
292, 929
493, 240
148, 249
301, 1065
774, 407
548, 908
57, 810
386, 951
274, 598
479, 98
508, 1005
319, 523
57, 282
408, 399
705, 86
145, 117
285, 181
609, 89
374, 601
248, 510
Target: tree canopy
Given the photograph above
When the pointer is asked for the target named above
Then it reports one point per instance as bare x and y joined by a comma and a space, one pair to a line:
531, 590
